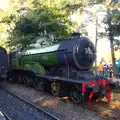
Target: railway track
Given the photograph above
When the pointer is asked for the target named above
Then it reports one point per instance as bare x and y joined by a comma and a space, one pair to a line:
110, 110
20, 108
3, 115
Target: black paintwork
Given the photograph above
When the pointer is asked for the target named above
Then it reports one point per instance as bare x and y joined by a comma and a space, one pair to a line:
3, 62
89, 78
74, 52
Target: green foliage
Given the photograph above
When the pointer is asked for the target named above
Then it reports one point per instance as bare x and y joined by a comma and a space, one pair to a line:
7, 20
37, 21
114, 28
93, 2
28, 20
94, 68
115, 23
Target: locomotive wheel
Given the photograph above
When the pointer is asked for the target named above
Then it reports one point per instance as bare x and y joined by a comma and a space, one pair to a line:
27, 81
55, 88
12, 78
19, 79
76, 96
38, 84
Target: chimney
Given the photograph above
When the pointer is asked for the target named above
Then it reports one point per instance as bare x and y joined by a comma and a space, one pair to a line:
76, 35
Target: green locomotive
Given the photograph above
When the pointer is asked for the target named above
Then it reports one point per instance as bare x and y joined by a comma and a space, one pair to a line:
61, 68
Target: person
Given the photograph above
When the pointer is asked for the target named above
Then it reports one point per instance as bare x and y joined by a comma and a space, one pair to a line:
110, 71
105, 69
118, 65
100, 69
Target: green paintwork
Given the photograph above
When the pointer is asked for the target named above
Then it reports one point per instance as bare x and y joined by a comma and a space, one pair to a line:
44, 56
38, 68
42, 59
35, 59
15, 63
34, 66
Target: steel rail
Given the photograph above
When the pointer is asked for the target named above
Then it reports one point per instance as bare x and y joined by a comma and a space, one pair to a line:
33, 105
5, 114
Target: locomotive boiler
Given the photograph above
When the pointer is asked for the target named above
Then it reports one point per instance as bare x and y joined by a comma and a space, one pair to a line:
78, 52
61, 68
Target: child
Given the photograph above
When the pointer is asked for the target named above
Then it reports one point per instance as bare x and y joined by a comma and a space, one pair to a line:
100, 69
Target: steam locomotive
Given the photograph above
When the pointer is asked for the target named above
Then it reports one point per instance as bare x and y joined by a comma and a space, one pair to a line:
63, 68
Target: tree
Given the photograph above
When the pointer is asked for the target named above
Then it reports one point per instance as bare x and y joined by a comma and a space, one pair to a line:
40, 21
7, 20
59, 12
112, 29
39, 18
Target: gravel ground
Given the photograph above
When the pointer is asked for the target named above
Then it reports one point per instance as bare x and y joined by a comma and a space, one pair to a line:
19, 110
64, 110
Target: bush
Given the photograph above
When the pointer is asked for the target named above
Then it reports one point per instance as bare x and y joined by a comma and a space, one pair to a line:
94, 68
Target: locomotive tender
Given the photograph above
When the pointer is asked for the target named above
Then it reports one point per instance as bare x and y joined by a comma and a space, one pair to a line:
61, 68
3, 63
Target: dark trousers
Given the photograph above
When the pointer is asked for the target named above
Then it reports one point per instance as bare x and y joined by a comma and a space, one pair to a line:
110, 74
118, 69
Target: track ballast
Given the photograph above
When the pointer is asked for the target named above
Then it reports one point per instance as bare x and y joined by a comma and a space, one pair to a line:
19, 109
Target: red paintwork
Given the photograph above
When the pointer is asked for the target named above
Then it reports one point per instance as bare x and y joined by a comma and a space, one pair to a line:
108, 92
99, 82
90, 97
93, 83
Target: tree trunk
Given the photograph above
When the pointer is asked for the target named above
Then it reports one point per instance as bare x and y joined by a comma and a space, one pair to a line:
110, 36
96, 40
113, 58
